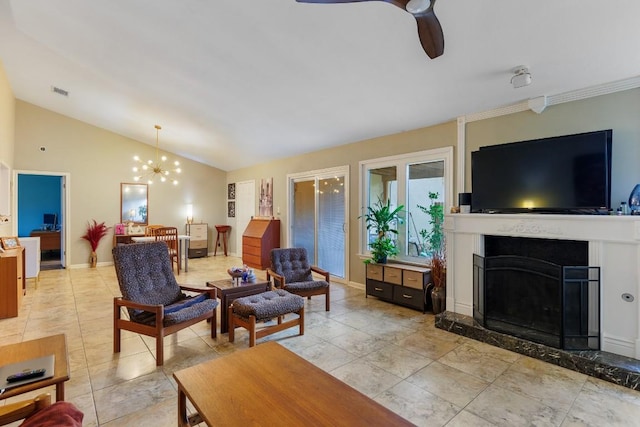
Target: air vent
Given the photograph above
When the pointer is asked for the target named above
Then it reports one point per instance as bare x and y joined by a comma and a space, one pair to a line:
59, 91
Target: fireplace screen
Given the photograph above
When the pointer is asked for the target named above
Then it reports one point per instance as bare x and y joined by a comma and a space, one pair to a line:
536, 299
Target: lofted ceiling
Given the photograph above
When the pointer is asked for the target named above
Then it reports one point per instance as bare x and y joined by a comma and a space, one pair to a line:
234, 83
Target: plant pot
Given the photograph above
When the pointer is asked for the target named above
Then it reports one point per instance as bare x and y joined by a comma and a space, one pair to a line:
438, 298
93, 259
381, 259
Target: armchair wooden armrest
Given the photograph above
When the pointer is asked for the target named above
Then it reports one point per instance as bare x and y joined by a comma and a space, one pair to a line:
213, 293
23, 409
321, 272
278, 279
158, 310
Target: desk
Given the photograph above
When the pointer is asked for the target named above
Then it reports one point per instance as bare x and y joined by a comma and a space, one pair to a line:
227, 291
183, 246
49, 240
56, 344
269, 385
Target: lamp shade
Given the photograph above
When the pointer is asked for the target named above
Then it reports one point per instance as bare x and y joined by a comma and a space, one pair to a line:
634, 199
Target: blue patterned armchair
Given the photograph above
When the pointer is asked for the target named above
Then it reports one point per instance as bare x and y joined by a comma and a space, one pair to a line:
156, 304
291, 271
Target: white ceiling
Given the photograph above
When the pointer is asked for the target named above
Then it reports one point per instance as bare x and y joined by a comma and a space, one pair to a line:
239, 82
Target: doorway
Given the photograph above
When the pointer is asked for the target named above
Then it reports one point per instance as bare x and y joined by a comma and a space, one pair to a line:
245, 209
41, 206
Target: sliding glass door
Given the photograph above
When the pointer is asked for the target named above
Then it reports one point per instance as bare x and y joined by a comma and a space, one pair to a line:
318, 207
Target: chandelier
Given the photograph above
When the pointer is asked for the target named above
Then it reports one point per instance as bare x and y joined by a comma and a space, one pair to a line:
148, 171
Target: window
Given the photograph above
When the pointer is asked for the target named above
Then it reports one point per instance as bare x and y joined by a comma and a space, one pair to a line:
407, 180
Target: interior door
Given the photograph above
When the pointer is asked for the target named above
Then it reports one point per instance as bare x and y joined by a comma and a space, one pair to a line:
245, 209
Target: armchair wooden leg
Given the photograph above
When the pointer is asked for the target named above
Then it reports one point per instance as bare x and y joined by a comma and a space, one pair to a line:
116, 328
327, 302
232, 327
214, 323
160, 350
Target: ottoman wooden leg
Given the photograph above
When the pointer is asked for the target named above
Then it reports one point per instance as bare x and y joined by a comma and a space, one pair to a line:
252, 331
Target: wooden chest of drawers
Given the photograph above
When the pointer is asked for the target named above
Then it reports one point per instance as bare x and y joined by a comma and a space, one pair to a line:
198, 240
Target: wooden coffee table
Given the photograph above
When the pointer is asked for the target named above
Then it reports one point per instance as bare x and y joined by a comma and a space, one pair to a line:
269, 385
228, 291
56, 344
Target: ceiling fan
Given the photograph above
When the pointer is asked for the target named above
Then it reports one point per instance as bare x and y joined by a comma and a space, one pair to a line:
429, 29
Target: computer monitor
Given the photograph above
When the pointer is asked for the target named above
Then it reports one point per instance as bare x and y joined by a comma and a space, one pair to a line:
50, 221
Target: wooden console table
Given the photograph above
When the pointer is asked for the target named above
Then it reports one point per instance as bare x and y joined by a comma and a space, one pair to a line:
49, 240
269, 385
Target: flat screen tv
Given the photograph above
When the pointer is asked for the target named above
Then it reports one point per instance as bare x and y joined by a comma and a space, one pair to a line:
563, 174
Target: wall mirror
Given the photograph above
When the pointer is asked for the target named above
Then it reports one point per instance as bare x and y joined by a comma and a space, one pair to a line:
133, 203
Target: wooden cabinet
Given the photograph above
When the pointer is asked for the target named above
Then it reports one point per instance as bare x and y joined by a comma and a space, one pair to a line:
12, 282
260, 236
401, 284
199, 240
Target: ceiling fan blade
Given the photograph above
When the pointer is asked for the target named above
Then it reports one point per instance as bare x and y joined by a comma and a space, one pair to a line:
430, 33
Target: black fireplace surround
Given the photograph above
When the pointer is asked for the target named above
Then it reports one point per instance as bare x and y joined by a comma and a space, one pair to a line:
541, 290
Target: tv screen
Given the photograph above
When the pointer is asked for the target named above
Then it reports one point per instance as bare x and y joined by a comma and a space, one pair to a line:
563, 174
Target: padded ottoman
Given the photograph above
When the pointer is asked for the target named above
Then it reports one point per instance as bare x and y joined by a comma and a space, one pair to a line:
247, 311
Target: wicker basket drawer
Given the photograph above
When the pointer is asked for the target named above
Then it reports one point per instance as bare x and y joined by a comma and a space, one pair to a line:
413, 279
393, 275
374, 271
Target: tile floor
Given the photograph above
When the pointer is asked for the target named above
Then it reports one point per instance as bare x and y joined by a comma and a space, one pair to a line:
392, 354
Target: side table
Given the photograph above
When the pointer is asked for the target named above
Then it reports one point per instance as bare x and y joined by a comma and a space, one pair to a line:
228, 291
56, 344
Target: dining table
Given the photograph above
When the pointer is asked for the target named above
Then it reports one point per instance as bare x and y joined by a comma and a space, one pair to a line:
183, 246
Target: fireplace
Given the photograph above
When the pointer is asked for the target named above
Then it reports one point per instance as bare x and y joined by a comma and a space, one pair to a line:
538, 289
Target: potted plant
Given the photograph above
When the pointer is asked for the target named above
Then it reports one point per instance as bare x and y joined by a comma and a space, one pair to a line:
95, 233
436, 242
382, 218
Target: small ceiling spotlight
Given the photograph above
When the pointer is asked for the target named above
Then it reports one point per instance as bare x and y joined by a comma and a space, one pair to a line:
521, 76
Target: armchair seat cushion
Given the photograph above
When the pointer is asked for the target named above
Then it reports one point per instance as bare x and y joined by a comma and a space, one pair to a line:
268, 305
181, 310
189, 312
307, 286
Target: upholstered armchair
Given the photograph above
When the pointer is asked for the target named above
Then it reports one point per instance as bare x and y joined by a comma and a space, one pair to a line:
156, 304
291, 271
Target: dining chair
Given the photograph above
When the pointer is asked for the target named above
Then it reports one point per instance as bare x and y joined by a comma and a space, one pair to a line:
169, 235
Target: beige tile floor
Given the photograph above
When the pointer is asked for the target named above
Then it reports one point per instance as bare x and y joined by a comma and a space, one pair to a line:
392, 354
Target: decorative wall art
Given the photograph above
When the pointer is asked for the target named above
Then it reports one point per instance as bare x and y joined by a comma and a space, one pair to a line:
231, 191
231, 209
266, 197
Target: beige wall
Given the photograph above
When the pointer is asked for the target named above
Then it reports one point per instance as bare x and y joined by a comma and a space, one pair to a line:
97, 161
619, 111
7, 130
416, 140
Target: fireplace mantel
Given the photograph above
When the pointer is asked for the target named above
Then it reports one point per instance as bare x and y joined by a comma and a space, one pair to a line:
614, 245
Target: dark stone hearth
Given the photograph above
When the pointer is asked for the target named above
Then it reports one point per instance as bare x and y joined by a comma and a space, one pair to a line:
624, 371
